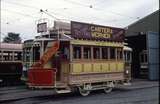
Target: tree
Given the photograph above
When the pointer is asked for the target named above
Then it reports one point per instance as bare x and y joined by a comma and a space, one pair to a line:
12, 38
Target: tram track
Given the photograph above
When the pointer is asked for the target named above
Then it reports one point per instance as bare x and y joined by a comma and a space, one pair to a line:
47, 95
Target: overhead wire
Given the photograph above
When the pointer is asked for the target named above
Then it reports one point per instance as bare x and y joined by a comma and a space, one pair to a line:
28, 6
70, 1
73, 2
23, 14
77, 3
91, 6
71, 17
22, 5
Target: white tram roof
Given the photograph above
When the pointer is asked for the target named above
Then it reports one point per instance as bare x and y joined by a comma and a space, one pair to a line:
10, 46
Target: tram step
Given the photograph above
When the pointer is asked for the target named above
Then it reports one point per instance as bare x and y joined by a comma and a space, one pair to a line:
63, 91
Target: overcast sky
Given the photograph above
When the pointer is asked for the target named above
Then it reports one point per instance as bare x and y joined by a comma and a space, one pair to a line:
21, 16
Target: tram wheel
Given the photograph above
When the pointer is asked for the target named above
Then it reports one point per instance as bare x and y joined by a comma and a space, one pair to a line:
83, 92
108, 89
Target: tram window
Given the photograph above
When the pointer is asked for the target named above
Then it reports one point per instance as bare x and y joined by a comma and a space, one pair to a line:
112, 53
145, 56
17, 56
65, 52
96, 53
6, 56
104, 53
28, 56
87, 53
36, 53
77, 52
128, 56
119, 53
142, 58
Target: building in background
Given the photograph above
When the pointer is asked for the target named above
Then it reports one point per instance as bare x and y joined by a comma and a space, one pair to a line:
143, 37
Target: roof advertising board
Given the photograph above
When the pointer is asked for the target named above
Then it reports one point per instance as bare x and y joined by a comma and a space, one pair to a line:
96, 32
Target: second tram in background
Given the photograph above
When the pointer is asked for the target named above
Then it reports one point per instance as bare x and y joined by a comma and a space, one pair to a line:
10, 64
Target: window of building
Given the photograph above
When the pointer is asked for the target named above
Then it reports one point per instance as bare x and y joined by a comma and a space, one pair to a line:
96, 53
112, 53
104, 53
87, 53
76, 52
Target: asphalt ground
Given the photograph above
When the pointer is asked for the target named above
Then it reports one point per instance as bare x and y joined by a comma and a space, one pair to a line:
140, 92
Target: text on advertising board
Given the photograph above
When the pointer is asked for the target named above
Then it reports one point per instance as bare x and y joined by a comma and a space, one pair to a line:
96, 32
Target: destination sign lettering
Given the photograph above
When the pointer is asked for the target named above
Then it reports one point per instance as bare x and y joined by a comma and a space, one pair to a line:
96, 32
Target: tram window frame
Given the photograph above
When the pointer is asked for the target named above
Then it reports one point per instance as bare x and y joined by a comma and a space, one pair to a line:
87, 52
15, 56
142, 58
64, 51
112, 53
145, 58
28, 55
76, 54
119, 54
105, 52
127, 56
6, 55
96, 54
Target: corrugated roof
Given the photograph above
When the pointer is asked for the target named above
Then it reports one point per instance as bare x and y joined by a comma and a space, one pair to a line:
157, 11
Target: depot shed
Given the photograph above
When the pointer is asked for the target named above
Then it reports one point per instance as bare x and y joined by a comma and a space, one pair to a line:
143, 37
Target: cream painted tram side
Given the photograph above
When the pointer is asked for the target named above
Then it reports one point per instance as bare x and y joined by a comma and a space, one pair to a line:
85, 64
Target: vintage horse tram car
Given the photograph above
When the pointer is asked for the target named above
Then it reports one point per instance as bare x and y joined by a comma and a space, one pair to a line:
91, 57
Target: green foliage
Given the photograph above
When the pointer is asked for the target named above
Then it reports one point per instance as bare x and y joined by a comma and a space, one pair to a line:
12, 38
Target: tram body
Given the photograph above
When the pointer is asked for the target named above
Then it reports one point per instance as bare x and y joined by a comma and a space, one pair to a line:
127, 55
77, 63
143, 64
10, 63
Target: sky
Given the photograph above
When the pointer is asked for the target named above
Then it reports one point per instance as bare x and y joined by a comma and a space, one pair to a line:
21, 16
